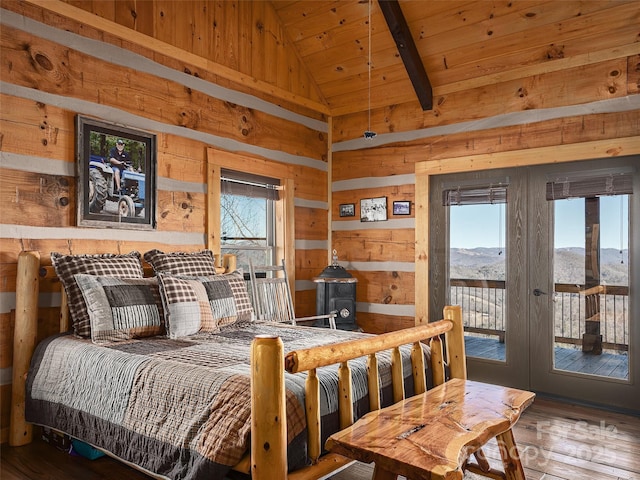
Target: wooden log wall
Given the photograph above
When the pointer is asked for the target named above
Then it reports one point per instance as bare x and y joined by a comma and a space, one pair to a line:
389, 257
50, 74
140, 67
241, 43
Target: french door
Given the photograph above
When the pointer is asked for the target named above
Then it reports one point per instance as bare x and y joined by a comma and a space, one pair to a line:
545, 262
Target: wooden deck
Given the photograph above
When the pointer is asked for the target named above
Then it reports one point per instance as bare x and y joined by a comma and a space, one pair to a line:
613, 365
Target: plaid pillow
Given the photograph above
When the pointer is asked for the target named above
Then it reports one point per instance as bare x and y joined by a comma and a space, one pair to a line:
188, 264
122, 309
105, 264
203, 304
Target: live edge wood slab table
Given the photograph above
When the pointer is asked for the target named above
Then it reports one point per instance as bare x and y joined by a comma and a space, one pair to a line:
432, 435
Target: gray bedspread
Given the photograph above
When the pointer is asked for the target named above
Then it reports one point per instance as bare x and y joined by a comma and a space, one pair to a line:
181, 408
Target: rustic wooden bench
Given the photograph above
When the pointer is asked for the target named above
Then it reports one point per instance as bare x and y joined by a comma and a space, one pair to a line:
432, 435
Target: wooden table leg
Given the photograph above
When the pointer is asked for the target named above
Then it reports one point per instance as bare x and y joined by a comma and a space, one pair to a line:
381, 474
510, 456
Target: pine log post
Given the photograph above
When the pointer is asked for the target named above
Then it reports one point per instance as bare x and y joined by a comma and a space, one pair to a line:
418, 368
268, 409
64, 311
455, 342
345, 400
229, 262
312, 402
24, 340
437, 361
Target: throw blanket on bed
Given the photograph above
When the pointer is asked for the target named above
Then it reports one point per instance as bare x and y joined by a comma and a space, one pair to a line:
182, 408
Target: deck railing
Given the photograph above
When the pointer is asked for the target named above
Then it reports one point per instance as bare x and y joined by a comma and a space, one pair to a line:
483, 306
482, 303
614, 311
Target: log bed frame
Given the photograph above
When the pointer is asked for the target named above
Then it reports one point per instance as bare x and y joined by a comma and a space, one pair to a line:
268, 457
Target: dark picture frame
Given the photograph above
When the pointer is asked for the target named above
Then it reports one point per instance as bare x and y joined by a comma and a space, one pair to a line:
347, 209
373, 209
402, 207
105, 150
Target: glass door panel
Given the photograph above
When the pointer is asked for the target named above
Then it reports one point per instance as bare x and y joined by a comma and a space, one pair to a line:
477, 266
557, 272
584, 233
591, 286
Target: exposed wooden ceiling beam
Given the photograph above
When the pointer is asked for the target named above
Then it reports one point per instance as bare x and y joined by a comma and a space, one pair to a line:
408, 51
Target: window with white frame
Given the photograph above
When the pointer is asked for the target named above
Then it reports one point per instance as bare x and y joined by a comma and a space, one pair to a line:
248, 217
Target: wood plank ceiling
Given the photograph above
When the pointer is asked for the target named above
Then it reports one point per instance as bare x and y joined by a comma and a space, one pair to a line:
462, 44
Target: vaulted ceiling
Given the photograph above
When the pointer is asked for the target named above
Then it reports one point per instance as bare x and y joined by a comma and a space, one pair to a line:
314, 54
462, 44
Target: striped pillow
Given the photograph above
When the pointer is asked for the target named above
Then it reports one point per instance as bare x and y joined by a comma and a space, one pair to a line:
203, 304
105, 264
188, 264
122, 309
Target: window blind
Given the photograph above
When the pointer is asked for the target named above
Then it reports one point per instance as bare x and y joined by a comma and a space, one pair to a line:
592, 186
248, 185
474, 195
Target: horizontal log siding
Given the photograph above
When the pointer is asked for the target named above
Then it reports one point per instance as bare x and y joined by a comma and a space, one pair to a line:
37, 160
250, 33
572, 86
32, 62
399, 157
382, 287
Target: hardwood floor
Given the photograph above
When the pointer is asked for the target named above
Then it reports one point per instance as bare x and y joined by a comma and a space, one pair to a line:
556, 441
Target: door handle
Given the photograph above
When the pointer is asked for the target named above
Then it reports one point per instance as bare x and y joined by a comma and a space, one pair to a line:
537, 292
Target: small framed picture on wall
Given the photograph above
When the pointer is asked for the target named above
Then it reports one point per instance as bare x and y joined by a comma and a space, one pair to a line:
373, 209
347, 209
402, 207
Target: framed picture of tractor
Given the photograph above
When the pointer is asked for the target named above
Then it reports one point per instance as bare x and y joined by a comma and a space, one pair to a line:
116, 175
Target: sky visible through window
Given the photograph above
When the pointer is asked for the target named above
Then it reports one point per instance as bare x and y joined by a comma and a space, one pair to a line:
475, 226
243, 216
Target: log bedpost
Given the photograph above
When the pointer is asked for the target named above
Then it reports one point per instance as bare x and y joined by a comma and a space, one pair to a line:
64, 311
312, 402
373, 382
417, 362
397, 375
268, 409
455, 342
229, 262
24, 342
345, 402
437, 361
